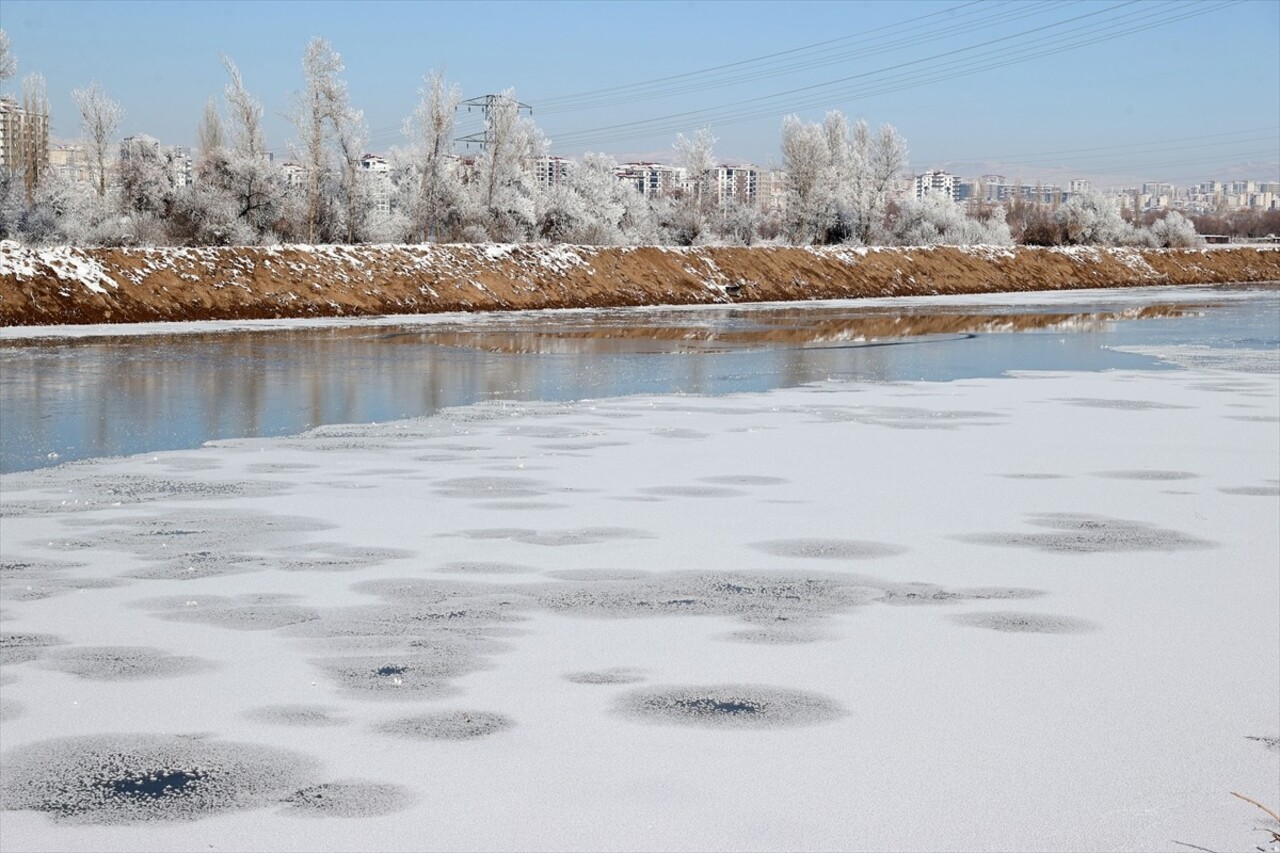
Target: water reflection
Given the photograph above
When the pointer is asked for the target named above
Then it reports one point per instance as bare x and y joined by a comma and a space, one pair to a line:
89, 397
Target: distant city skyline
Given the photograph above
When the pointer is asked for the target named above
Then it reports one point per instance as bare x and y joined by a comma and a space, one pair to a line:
1113, 92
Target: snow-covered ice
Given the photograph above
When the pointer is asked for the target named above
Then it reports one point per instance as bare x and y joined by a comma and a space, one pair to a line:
1038, 612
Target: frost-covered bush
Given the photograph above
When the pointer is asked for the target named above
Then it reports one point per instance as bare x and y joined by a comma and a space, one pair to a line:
1092, 219
1175, 231
937, 220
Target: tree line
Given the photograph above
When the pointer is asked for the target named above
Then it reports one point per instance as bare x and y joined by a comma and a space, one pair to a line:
839, 184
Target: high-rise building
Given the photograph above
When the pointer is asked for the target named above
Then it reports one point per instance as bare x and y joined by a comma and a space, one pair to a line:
24, 138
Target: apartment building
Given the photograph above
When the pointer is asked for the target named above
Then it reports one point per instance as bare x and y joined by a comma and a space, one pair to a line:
24, 138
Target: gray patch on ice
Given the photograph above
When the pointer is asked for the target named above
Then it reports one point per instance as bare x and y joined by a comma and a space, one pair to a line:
273, 467
124, 663
1263, 419
480, 567
100, 491
1270, 742
599, 574
200, 564
190, 463
177, 534
20, 568
613, 675
780, 634
37, 589
757, 598
301, 716
678, 432
520, 506
244, 612
23, 647
348, 799
903, 417
926, 593
693, 491
1127, 405
422, 673
1034, 476
556, 538
828, 549
1081, 533
133, 778
1024, 623
1146, 474
324, 557
447, 725
743, 480
473, 488
582, 445
1258, 491
730, 706
10, 709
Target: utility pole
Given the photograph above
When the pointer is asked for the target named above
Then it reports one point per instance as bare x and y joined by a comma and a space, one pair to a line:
487, 104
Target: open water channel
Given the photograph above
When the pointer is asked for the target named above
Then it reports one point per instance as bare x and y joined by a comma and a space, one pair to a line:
102, 393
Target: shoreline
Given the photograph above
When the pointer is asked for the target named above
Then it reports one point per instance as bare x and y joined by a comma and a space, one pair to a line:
68, 287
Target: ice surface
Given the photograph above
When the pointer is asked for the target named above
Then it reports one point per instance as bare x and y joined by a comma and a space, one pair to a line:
1053, 625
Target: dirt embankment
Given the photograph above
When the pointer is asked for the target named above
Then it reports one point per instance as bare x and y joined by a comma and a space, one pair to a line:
77, 286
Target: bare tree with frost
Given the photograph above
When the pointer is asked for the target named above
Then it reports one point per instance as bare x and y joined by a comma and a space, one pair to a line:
100, 118
839, 178
696, 155
876, 161
8, 62
211, 141
809, 197
249, 176
430, 131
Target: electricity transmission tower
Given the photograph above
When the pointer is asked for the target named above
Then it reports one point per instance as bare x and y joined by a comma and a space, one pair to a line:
487, 104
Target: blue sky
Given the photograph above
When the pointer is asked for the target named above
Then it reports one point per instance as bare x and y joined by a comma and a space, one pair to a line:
1113, 90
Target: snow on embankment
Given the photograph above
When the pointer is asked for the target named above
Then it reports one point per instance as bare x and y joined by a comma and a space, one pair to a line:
66, 285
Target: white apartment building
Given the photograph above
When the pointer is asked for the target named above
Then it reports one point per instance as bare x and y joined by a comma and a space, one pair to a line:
936, 182
24, 137
550, 171
653, 179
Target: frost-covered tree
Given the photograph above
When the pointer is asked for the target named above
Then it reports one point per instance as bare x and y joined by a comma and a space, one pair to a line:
1175, 231
876, 161
503, 189
328, 127
100, 118
8, 62
211, 141
696, 155
248, 174
435, 200
1092, 219
739, 222
839, 178
809, 195
937, 220
146, 177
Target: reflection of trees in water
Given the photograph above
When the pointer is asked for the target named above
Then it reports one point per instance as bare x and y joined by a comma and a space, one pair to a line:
95, 397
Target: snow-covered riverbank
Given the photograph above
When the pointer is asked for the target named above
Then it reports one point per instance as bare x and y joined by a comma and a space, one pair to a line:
1037, 612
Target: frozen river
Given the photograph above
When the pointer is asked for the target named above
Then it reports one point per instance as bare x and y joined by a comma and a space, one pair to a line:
719, 579
79, 393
